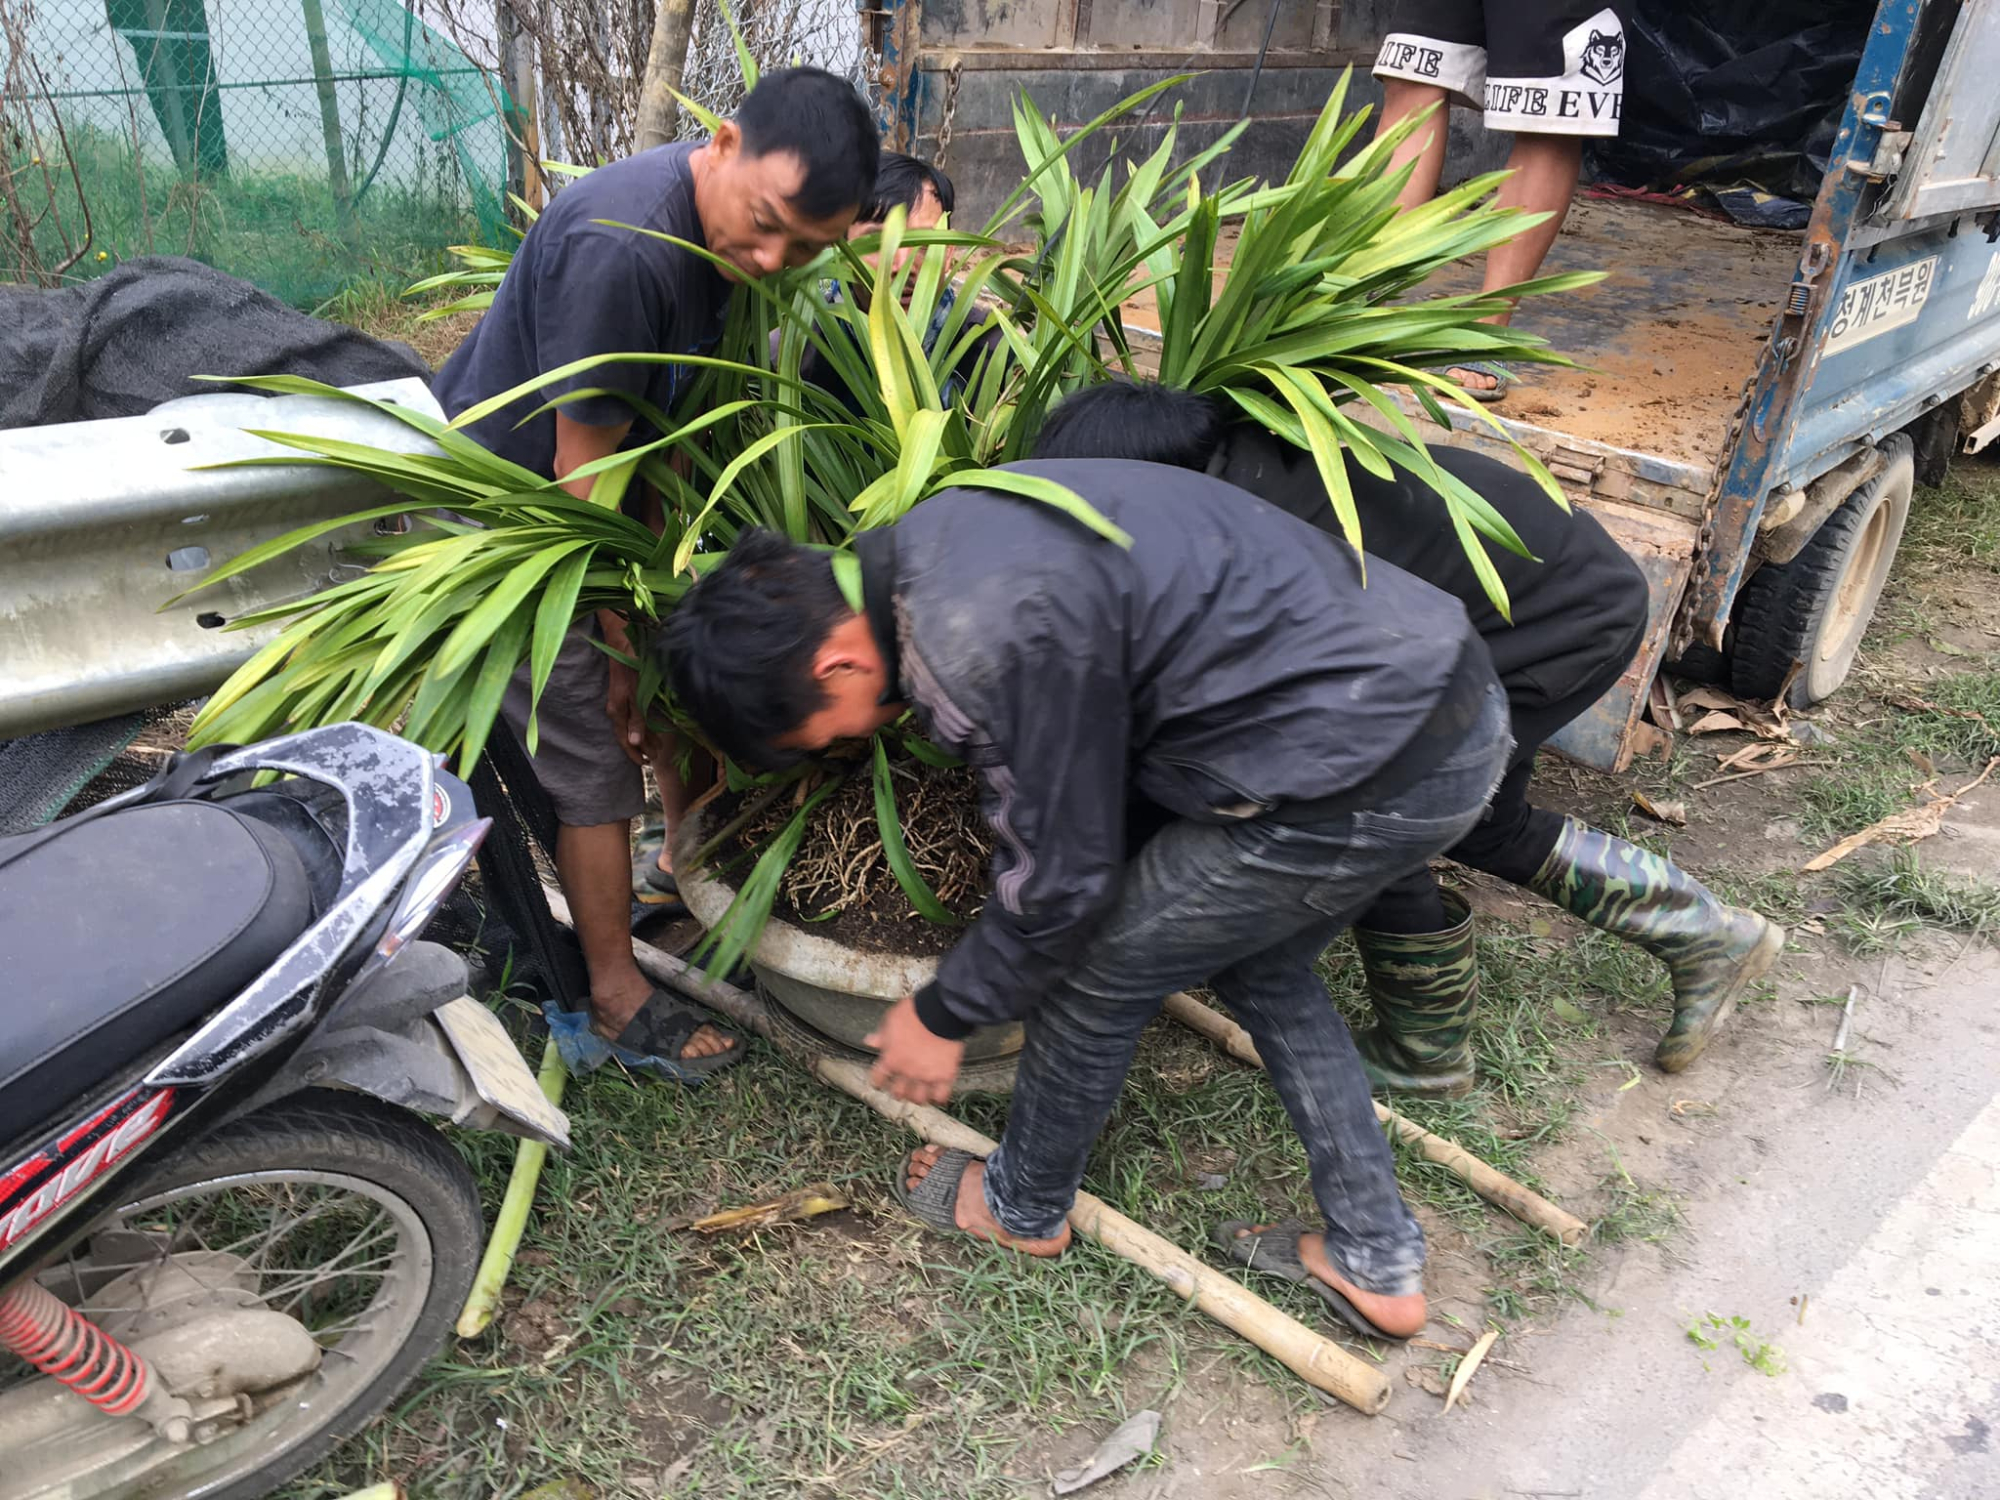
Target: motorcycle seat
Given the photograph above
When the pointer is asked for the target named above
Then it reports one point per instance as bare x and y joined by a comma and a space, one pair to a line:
119, 932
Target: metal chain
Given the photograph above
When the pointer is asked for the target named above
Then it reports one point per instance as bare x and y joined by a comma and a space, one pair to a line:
951, 82
1682, 635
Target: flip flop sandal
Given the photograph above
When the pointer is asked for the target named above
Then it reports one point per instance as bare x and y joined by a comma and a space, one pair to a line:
1504, 379
662, 1028
1276, 1253
934, 1201
653, 887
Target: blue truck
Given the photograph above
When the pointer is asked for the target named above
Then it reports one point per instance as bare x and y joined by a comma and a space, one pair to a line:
1879, 360
1753, 407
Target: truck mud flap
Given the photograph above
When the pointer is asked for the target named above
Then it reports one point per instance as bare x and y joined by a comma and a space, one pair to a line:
1610, 732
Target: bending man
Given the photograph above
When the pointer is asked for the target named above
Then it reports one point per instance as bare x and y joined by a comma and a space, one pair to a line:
1310, 744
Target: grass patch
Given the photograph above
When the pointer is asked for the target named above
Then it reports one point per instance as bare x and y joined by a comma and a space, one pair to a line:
1886, 902
1959, 521
277, 229
1878, 765
379, 309
855, 1355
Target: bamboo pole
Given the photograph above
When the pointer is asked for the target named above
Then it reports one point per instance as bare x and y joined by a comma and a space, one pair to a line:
1314, 1359
329, 119
1317, 1360
1494, 1186
666, 62
512, 1220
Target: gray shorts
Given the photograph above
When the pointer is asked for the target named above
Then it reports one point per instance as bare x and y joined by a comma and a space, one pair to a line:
578, 759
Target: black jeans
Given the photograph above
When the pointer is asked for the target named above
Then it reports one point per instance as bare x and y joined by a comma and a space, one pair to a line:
1514, 837
1248, 908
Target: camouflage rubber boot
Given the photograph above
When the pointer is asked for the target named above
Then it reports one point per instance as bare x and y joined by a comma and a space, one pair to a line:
1424, 986
1712, 951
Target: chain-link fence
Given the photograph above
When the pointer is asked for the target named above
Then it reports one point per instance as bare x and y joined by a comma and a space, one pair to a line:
307, 144
299, 144
588, 59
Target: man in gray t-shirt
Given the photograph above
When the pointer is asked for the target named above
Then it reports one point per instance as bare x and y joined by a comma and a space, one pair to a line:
772, 188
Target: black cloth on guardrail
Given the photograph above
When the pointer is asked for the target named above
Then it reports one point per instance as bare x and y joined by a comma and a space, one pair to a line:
119, 345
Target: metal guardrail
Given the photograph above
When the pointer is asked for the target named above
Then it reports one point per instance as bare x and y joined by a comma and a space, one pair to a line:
101, 523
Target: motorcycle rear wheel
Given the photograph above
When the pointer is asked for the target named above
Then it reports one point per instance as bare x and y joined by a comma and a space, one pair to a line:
360, 1221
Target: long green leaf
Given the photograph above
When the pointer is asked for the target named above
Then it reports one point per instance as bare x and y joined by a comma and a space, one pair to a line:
1036, 487
896, 853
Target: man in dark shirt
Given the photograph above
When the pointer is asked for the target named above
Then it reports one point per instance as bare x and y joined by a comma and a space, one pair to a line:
1579, 607
1310, 743
773, 187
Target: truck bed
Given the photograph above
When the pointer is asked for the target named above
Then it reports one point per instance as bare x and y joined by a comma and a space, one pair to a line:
1663, 345
1664, 342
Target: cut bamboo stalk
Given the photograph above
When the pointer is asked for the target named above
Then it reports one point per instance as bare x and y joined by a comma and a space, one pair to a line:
1315, 1359
1494, 1186
512, 1220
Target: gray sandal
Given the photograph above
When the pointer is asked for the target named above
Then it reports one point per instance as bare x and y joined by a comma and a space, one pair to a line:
934, 1201
1275, 1252
1503, 378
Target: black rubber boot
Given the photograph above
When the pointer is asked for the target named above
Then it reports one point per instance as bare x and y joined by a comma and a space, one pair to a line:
1425, 986
1713, 951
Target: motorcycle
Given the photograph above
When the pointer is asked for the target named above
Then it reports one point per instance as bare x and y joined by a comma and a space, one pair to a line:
227, 1240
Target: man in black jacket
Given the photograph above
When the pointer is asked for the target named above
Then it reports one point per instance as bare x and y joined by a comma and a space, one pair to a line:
1310, 742
1579, 607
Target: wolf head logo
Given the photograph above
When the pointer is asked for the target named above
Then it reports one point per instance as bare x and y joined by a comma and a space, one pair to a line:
1604, 58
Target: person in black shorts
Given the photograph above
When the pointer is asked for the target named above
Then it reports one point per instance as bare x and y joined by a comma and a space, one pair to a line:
772, 188
1579, 615
1550, 71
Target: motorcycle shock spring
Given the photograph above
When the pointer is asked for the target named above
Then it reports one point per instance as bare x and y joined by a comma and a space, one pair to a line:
70, 1349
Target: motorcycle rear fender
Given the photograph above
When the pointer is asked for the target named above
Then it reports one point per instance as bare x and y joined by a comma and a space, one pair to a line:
394, 1038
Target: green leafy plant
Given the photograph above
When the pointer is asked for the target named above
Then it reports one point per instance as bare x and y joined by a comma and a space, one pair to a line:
1714, 1331
950, 362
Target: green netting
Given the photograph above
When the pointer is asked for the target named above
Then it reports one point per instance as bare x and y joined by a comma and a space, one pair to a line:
303, 145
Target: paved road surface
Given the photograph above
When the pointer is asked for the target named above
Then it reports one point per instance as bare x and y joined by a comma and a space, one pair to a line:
1882, 1211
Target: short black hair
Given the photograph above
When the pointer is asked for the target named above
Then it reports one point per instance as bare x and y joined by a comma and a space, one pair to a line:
900, 182
818, 117
1140, 421
737, 651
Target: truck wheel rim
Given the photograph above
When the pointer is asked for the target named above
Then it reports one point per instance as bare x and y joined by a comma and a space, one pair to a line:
1853, 602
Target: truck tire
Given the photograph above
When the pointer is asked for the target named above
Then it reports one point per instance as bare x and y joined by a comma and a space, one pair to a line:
1701, 662
1816, 608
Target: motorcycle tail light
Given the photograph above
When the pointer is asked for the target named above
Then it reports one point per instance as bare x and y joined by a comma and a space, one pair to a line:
430, 885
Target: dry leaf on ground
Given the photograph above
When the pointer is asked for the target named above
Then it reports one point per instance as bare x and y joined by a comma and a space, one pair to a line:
1665, 810
1908, 826
1716, 721
1132, 1438
1766, 721
1463, 1375
806, 1203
